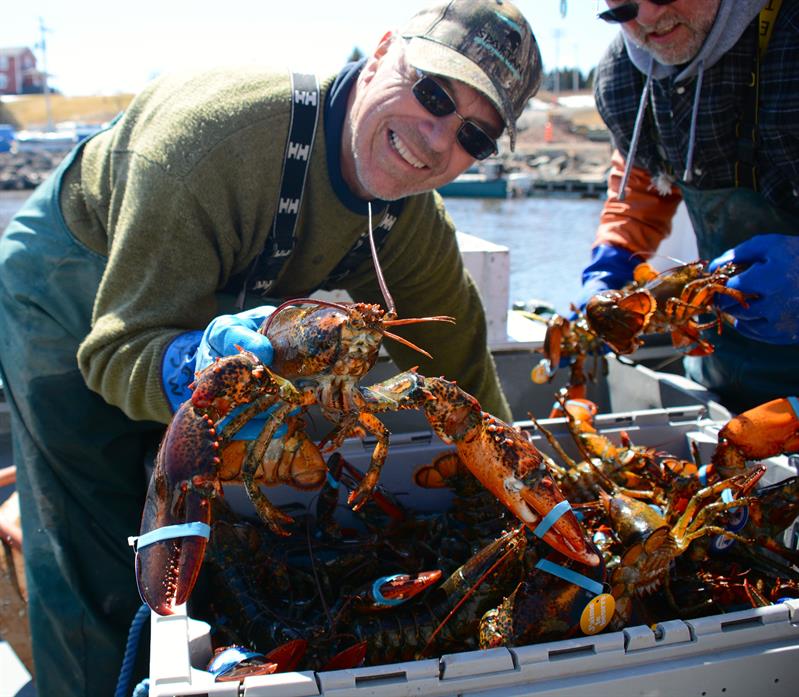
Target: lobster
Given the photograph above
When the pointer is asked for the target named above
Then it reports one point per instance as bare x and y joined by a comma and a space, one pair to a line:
446, 619
542, 607
662, 302
186, 474
653, 303
321, 351
604, 466
651, 544
395, 617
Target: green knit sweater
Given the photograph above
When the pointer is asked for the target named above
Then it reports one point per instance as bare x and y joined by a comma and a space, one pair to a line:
180, 195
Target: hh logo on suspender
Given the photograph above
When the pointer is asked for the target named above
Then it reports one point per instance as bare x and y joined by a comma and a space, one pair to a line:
388, 222
306, 97
298, 151
289, 205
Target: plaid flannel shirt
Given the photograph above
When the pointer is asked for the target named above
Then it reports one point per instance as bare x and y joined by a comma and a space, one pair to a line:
663, 145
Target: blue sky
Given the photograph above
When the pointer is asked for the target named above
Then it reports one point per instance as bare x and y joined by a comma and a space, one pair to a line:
103, 47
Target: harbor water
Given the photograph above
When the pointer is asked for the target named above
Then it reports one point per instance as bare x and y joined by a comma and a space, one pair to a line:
549, 239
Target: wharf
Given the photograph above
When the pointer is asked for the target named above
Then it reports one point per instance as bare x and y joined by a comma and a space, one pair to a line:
583, 187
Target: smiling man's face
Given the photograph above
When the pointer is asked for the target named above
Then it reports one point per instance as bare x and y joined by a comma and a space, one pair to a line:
673, 33
391, 145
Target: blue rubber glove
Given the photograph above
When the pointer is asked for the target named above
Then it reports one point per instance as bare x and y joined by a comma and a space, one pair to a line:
611, 268
226, 332
773, 275
193, 351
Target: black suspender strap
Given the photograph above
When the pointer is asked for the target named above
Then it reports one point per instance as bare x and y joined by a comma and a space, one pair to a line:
268, 264
265, 269
746, 129
361, 251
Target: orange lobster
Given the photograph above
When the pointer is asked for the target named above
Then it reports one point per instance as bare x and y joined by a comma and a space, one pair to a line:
320, 354
662, 302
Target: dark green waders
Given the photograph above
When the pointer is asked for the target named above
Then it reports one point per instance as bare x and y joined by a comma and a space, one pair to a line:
743, 372
79, 460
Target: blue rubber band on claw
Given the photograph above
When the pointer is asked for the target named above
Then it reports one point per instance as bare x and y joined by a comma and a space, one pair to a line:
794, 402
551, 518
170, 532
229, 659
380, 599
571, 576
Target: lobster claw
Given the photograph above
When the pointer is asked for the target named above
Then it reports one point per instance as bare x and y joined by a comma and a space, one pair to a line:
620, 318
769, 429
548, 514
557, 330
506, 463
390, 591
235, 663
182, 484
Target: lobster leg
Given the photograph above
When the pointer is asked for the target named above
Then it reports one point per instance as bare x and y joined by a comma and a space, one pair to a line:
359, 496
697, 512
268, 512
291, 397
403, 391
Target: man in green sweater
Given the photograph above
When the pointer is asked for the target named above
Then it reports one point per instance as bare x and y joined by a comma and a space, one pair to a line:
144, 254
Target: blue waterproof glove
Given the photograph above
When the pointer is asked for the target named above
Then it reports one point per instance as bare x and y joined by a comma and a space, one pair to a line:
193, 351
773, 276
611, 268
226, 332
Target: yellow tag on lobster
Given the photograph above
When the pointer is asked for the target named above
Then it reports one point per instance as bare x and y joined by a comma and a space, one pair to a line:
540, 373
597, 614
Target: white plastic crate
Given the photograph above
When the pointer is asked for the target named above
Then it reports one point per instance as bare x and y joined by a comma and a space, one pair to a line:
752, 652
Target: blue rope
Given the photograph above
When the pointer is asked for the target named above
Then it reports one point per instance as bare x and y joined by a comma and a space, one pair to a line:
142, 689
128, 662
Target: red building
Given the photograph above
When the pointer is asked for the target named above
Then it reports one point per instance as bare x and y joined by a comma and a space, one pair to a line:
18, 72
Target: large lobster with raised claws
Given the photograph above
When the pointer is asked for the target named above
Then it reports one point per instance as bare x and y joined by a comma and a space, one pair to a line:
321, 352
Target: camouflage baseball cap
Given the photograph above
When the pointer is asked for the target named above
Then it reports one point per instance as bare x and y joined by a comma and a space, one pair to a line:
486, 44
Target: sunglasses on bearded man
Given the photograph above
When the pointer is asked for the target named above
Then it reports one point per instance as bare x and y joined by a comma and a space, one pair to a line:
627, 11
437, 101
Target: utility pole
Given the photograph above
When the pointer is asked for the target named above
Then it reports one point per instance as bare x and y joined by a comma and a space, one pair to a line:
575, 72
557, 34
46, 88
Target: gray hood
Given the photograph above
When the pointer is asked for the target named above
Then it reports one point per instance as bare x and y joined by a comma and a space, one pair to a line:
732, 18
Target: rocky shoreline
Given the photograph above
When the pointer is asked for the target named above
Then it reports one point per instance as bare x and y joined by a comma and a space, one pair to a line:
26, 170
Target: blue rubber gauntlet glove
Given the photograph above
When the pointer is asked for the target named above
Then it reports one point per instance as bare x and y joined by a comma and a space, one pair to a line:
191, 352
611, 268
227, 332
773, 277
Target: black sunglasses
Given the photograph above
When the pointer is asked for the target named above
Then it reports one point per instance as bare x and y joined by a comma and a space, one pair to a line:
433, 97
628, 11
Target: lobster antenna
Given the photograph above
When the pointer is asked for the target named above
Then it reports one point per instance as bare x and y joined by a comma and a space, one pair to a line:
407, 343
514, 536
390, 308
607, 483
